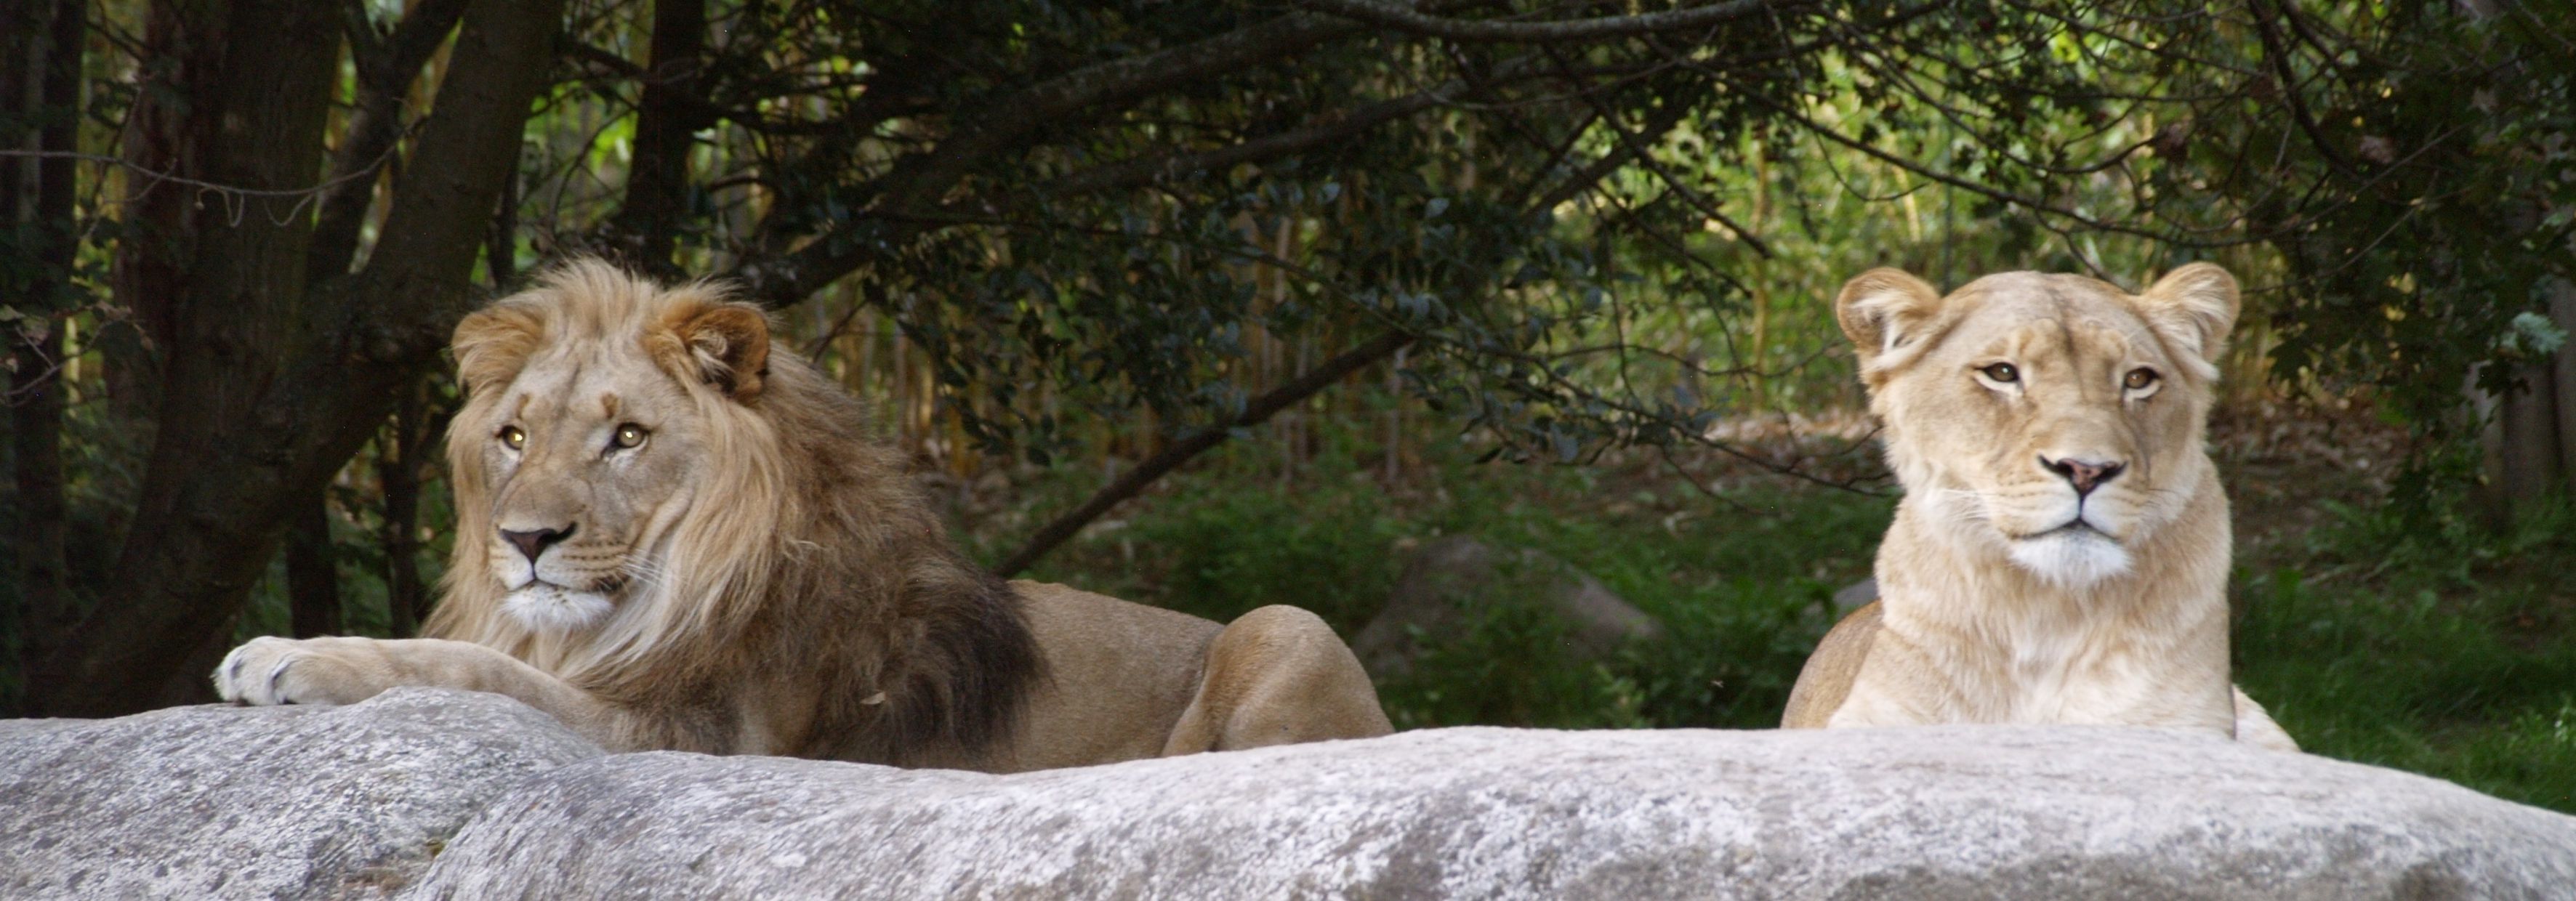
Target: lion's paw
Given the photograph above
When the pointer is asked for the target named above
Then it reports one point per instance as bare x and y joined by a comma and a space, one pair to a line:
272, 670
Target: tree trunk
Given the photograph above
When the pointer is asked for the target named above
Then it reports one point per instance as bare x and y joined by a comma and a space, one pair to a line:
2529, 457
666, 126
40, 44
162, 135
2530, 434
222, 481
233, 315
2562, 311
411, 448
501, 241
312, 571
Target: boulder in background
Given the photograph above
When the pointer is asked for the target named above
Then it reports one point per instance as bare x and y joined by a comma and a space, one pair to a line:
1455, 574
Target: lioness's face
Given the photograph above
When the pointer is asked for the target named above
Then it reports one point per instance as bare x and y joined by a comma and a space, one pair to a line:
588, 450
2055, 418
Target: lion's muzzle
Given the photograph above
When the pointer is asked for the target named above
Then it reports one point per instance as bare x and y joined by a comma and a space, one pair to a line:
2084, 475
532, 543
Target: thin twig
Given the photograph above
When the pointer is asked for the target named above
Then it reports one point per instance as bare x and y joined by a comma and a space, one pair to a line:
1178, 452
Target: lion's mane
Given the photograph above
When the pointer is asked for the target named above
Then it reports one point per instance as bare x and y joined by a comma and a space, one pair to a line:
807, 584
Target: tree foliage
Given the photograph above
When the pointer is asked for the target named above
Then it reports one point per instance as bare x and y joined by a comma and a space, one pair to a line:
1582, 223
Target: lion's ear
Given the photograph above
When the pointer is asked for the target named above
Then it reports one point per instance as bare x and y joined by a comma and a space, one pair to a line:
492, 344
721, 344
2194, 307
1884, 310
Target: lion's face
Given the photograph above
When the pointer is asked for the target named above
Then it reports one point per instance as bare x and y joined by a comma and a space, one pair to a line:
2054, 419
576, 451
590, 459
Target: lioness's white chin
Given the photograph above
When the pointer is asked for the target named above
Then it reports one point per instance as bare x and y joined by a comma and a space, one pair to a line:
553, 609
2071, 558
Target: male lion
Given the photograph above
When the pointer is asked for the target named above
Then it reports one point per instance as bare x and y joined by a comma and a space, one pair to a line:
672, 536
2061, 553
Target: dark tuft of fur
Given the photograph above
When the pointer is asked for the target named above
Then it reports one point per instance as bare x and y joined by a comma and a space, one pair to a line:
971, 675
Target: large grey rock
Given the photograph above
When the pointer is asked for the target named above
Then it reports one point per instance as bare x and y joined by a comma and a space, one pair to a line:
259, 802
1456, 575
1943, 812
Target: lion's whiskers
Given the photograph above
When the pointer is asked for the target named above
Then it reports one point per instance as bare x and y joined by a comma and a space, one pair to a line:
649, 574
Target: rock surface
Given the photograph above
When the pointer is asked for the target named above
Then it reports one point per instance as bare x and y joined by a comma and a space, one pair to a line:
1458, 573
238, 802
447, 795
1944, 812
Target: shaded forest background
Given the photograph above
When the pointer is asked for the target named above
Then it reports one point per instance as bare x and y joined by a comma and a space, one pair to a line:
1387, 249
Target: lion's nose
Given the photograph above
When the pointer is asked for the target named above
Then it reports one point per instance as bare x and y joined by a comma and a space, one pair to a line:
2085, 475
533, 543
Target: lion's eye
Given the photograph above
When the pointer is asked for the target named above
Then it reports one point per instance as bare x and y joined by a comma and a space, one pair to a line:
513, 438
2139, 378
2003, 372
629, 435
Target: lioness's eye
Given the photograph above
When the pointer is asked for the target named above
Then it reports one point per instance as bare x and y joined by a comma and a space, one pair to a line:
2139, 378
512, 437
2003, 372
629, 435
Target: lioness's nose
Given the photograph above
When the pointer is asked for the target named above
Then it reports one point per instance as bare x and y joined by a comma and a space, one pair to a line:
2085, 475
533, 543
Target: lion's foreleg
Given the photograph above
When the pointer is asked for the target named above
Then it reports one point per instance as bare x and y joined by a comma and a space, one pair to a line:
348, 670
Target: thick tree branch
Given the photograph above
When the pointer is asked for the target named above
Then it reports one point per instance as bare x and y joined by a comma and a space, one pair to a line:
386, 66
1604, 28
1149, 169
1258, 411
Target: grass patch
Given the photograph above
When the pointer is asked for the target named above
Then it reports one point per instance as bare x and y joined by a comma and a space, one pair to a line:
2444, 653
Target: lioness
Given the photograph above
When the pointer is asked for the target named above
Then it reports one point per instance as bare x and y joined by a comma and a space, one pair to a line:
673, 536
2061, 553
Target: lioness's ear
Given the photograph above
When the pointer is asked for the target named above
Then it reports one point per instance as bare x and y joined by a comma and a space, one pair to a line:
1884, 310
492, 344
724, 344
2194, 307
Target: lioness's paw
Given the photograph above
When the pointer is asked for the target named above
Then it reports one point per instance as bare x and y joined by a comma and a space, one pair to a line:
312, 671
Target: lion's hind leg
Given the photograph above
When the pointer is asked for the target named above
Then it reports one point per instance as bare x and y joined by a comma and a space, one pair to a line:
1276, 676
1826, 681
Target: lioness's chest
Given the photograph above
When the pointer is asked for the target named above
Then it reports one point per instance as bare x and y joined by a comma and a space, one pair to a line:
2049, 672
